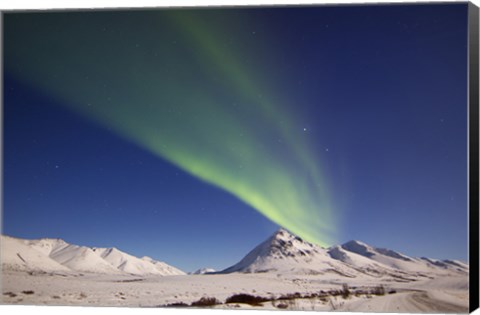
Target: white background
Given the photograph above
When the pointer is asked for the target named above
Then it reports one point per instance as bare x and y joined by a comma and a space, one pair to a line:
73, 4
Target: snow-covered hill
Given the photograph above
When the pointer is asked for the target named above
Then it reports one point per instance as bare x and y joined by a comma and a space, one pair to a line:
164, 268
203, 271
20, 254
55, 255
399, 261
287, 253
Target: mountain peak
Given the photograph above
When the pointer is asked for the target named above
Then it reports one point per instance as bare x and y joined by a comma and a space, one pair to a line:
285, 235
370, 251
203, 271
356, 243
275, 253
393, 254
359, 248
281, 232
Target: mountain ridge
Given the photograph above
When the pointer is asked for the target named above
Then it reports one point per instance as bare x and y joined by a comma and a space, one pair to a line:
352, 259
56, 255
282, 252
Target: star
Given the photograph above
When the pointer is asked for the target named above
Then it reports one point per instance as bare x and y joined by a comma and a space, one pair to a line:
304, 129
326, 149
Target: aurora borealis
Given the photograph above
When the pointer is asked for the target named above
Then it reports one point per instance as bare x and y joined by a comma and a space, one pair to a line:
335, 123
192, 102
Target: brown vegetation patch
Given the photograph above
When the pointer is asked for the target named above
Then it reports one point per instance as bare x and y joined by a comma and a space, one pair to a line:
10, 294
177, 304
247, 299
206, 301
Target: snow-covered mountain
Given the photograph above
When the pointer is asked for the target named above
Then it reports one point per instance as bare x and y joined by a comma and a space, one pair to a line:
357, 261
396, 260
23, 255
55, 255
164, 268
283, 253
203, 271
286, 253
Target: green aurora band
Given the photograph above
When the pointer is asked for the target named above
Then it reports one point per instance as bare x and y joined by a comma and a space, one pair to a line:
172, 83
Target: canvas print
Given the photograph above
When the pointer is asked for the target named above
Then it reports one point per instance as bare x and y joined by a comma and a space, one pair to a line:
276, 158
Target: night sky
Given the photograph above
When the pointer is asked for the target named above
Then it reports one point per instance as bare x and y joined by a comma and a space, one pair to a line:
191, 135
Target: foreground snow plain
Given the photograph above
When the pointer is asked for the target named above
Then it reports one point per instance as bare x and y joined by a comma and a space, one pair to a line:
158, 291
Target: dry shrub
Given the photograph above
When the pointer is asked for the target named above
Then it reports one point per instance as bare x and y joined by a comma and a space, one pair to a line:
206, 301
177, 304
246, 299
378, 290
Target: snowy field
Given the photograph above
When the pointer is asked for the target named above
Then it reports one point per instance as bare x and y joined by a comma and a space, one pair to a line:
158, 291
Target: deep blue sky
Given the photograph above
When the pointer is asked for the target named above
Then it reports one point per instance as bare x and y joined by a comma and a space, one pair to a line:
384, 89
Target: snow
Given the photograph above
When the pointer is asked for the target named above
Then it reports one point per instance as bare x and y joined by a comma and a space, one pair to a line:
59, 273
354, 259
133, 265
406, 302
164, 268
19, 254
203, 271
153, 291
395, 260
55, 255
286, 253
82, 259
